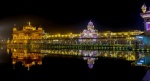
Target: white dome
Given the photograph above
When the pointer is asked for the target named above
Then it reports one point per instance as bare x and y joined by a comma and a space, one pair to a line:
90, 23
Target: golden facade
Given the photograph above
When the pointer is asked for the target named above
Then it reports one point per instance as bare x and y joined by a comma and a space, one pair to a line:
27, 33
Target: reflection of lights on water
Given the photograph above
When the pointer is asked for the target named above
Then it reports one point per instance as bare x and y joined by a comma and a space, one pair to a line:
90, 66
141, 60
13, 67
139, 63
90, 61
88, 53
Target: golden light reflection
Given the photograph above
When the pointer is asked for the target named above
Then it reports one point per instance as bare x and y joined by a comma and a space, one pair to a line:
27, 59
31, 57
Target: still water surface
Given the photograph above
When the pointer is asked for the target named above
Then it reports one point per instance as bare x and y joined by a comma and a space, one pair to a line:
94, 65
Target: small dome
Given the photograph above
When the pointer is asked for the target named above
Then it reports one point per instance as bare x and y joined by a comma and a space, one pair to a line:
14, 29
90, 23
85, 30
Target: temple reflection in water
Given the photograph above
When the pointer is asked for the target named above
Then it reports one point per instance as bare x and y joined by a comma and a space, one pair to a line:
30, 57
27, 59
90, 61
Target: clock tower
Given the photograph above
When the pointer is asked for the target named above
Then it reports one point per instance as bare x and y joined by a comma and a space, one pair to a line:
146, 16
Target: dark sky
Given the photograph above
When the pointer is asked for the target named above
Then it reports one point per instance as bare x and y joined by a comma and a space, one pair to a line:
72, 16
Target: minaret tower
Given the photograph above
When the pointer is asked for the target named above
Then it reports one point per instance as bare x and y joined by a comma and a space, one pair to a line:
146, 16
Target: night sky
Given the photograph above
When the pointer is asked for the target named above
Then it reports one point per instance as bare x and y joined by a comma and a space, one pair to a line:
72, 16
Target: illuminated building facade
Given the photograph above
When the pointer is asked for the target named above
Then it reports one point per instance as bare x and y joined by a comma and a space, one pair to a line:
145, 37
31, 35
90, 32
146, 16
26, 34
92, 36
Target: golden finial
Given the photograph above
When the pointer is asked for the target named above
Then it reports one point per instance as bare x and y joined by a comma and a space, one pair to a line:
144, 8
29, 23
